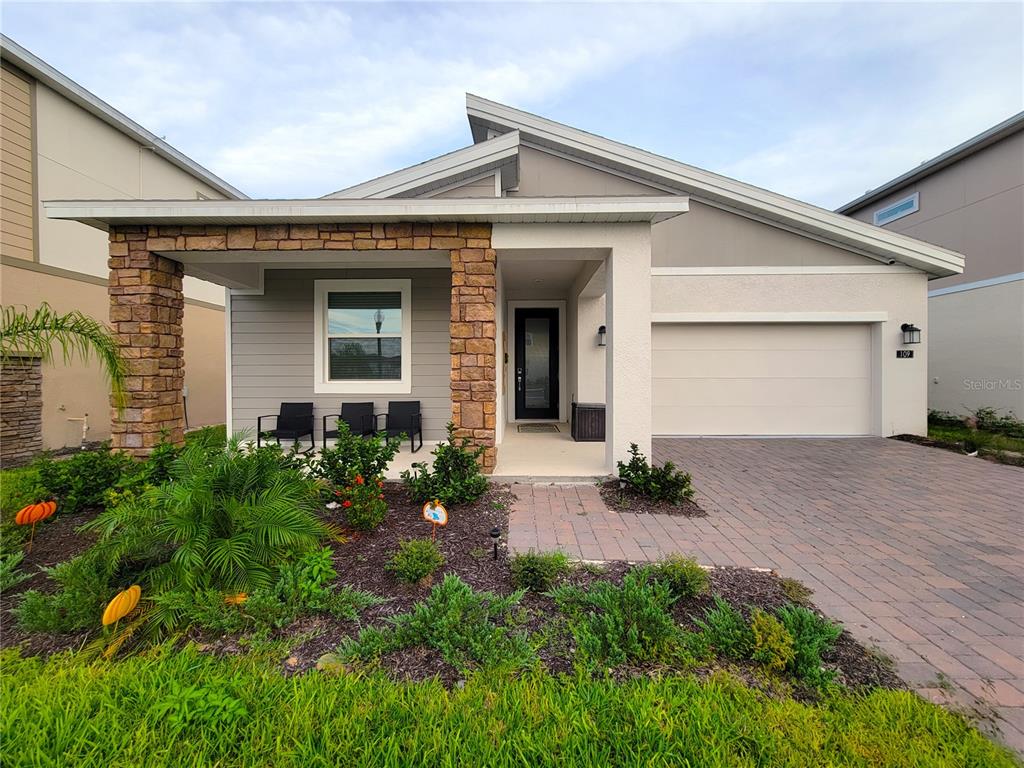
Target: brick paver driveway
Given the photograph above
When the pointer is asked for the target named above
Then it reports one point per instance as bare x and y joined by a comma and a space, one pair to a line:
918, 551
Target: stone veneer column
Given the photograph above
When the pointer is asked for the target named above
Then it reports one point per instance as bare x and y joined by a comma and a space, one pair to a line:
21, 410
146, 311
473, 329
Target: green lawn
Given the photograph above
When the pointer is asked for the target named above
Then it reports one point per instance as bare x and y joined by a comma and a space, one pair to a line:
977, 438
181, 708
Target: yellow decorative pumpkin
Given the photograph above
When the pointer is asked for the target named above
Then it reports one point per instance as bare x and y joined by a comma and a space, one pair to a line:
122, 604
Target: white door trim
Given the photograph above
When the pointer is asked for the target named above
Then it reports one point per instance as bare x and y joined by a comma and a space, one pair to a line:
769, 317
510, 378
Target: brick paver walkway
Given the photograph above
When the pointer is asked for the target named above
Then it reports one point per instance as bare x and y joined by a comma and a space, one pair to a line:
918, 551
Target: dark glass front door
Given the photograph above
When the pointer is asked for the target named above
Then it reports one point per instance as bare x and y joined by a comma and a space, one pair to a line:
536, 363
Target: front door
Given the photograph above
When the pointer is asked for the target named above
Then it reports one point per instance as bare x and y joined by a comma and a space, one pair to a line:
536, 363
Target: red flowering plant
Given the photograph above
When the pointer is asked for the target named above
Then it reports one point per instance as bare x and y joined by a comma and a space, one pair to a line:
363, 502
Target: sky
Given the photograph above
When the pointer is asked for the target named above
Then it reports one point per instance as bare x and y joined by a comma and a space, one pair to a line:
818, 101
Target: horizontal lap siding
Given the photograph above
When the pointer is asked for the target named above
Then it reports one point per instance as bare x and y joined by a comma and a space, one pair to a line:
272, 347
17, 227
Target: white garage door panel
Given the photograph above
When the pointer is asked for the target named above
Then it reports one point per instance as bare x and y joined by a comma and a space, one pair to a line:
768, 379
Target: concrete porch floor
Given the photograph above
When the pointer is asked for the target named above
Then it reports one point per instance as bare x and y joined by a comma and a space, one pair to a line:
541, 455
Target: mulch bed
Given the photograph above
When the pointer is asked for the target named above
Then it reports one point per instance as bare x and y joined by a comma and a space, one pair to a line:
56, 541
467, 547
627, 500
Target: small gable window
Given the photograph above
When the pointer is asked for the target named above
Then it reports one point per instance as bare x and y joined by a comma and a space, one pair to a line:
897, 210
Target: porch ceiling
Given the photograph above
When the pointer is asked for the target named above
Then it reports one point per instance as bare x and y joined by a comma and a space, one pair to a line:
515, 210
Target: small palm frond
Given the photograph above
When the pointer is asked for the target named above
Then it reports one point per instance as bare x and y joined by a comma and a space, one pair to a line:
34, 335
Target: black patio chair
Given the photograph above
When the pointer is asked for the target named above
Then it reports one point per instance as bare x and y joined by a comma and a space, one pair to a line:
403, 417
359, 417
294, 422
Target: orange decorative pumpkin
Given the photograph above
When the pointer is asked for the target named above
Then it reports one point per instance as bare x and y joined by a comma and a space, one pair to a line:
122, 604
34, 513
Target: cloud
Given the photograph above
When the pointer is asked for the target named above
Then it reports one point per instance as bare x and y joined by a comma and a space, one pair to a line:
816, 101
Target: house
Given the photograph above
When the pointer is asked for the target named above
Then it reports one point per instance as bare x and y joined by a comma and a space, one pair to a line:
970, 199
58, 140
539, 266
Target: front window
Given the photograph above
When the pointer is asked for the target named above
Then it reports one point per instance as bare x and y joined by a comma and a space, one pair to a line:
363, 340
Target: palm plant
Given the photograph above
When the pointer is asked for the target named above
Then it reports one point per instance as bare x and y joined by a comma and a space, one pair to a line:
227, 520
35, 334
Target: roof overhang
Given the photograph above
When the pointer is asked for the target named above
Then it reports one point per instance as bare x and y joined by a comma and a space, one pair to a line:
102, 214
488, 119
57, 81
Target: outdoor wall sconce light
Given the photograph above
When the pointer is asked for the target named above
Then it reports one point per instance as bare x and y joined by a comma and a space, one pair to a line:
911, 333
495, 534
602, 332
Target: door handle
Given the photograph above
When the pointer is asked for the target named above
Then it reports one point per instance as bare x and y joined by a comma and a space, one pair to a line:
519, 379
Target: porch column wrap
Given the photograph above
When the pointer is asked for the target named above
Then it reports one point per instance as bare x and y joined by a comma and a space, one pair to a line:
146, 311
473, 330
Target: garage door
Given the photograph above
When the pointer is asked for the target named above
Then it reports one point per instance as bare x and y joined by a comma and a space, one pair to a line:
762, 379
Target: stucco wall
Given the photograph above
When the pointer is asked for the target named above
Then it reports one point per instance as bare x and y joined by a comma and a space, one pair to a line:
272, 347
973, 206
81, 157
901, 403
704, 236
711, 236
76, 389
976, 349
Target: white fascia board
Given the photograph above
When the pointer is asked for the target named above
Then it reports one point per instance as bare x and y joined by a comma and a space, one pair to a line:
76, 94
835, 227
573, 210
464, 160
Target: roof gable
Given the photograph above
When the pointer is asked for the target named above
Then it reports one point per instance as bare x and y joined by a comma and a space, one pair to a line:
439, 172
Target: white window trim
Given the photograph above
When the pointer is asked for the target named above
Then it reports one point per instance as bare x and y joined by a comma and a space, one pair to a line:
914, 198
321, 384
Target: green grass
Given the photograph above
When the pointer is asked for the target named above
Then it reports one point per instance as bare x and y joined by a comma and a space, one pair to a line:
987, 440
180, 708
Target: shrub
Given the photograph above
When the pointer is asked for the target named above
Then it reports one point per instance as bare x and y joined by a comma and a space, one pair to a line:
353, 455
663, 483
302, 587
726, 630
773, 645
213, 437
683, 575
18, 488
416, 559
84, 588
989, 420
226, 521
812, 636
80, 480
363, 502
461, 624
615, 624
537, 571
10, 575
455, 477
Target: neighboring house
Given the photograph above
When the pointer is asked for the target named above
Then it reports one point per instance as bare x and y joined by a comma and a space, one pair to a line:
542, 265
970, 199
60, 141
